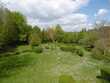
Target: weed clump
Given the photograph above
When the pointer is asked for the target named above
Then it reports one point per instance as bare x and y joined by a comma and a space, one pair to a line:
37, 49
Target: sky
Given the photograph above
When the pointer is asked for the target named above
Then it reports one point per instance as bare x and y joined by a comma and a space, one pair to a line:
72, 15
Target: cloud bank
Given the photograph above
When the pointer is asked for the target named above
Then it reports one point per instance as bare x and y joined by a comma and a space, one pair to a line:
49, 12
102, 12
101, 16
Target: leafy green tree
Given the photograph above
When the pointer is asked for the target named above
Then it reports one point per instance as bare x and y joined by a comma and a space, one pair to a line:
102, 45
51, 34
59, 33
35, 40
24, 37
9, 31
44, 36
35, 36
21, 23
37, 29
13, 28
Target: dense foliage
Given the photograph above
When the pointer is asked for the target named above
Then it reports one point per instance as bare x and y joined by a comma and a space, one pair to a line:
13, 28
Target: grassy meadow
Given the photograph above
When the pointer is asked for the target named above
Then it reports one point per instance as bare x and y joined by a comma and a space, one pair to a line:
51, 66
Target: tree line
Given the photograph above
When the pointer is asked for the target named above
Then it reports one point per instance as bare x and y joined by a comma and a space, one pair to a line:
15, 30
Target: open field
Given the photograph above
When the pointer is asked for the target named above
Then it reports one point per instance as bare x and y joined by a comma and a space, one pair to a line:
49, 66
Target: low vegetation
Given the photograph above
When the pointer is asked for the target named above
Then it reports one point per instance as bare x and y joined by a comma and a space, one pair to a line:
66, 79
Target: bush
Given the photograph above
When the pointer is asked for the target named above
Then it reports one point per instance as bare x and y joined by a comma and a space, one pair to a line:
37, 49
101, 54
70, 37
67, 48
97, 54
101, 51
105, 75
47, 47
79, 52
72, 49
35, 40
88, 40
66, 79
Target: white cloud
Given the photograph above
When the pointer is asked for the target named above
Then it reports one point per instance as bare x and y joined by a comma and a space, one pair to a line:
72, 22
101, 16
102, 13
45, 12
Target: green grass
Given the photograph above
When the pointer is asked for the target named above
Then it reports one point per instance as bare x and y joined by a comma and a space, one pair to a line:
66, 79
50, 66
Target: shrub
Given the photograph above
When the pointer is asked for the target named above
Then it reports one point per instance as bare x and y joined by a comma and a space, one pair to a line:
79, 52
66, 79
101, 51
47, 47
37, 49
70, 37
101, 54
105, 75
67, 48
72, 49
88, 40
97, 54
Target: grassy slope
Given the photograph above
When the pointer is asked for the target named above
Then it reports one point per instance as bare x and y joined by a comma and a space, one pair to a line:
48, 66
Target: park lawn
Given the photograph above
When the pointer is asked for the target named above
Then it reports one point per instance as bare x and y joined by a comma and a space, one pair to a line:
50, 65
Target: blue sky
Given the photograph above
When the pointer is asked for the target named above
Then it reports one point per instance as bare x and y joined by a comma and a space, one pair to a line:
72, 15
94, 6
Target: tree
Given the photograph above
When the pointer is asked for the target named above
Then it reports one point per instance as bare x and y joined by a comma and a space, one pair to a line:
37, 29
51, 34
13, 28
35, 36
24, 37
9, 31
102, 45
59, 33
44, 36
21, 23
35, 40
